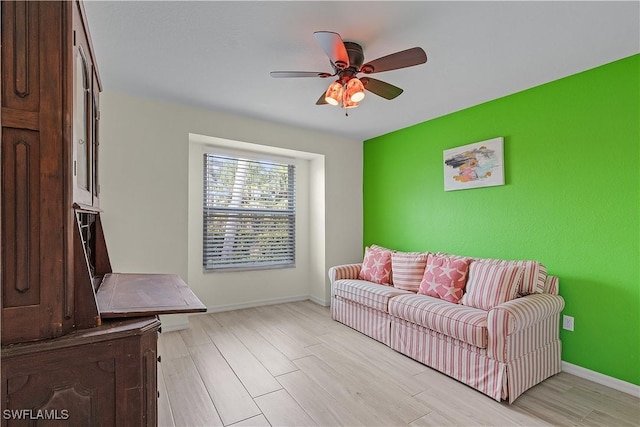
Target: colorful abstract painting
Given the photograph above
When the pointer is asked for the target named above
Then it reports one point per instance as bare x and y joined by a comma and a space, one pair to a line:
480, 164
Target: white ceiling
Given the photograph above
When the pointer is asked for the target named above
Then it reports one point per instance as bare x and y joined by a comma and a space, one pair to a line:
218, 55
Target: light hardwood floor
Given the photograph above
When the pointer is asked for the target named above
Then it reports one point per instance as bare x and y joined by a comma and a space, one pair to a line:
291, 365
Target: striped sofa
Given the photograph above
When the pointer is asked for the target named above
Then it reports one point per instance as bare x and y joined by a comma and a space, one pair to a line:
501, 352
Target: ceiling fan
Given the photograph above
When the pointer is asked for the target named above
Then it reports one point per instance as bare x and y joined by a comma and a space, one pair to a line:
347, 61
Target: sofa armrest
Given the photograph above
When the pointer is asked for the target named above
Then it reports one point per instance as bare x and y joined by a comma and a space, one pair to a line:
521, 325
520, 313
347, 271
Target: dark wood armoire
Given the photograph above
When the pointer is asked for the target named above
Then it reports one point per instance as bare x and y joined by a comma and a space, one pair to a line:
79, 342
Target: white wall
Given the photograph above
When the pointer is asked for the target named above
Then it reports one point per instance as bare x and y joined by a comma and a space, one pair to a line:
144, 173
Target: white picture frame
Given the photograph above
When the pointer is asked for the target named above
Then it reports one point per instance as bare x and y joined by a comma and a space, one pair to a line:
480, 164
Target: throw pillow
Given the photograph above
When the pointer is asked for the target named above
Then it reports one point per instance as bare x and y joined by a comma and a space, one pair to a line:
534, 275
445, 277
381, 248
408, 269
491, 284
376, 266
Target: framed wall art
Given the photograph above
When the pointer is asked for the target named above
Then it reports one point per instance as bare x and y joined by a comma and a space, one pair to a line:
480, 164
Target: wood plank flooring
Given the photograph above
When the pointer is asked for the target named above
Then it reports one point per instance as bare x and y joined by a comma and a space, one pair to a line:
291, 365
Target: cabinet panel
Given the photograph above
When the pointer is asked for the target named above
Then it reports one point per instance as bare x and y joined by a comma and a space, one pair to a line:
80, 394
150, 380
150, 395
21, 214
20, 55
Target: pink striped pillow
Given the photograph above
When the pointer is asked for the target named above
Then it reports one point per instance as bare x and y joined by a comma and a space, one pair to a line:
534, 274
408, 269
376, 266
445, 278
491, 284
381, 248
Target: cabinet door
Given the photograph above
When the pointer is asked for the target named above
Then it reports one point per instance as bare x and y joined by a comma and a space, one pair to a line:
34, 185
83, 153
76, 391
95, 128
101, 378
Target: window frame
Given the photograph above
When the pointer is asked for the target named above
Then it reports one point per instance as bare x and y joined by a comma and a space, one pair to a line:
291, 164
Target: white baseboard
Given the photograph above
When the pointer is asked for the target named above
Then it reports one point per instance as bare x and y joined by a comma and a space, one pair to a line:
319, 301
599, 378
174, 322
259, 303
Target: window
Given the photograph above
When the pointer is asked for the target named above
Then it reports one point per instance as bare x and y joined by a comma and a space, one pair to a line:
248, 213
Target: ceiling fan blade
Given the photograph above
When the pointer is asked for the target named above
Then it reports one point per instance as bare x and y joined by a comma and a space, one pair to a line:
333, 46
380, 88
321, 100
402, 59
281, 74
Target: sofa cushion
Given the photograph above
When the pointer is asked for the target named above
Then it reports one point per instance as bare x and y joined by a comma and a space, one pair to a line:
407, 269
366, 293
491, 284
444, 278
466, 324
376, 266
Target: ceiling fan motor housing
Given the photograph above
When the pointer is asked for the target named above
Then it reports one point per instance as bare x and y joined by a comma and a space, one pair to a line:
356, 55
356, 58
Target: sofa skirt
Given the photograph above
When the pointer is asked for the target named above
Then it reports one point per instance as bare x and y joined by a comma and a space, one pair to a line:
371, 322
459, 360
533, 368
471, 365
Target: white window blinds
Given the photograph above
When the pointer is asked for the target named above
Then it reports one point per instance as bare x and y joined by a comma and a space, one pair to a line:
248, 213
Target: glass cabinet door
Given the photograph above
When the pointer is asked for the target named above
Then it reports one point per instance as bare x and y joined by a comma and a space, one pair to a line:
95, 121
81, 130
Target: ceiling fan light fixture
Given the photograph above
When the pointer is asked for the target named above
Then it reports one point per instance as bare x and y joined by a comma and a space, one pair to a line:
333, 95
347, 103
355, 90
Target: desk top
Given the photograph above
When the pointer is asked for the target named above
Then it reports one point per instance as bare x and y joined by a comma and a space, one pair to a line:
134, 295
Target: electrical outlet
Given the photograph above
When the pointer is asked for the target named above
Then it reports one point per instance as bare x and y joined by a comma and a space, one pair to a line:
567, 322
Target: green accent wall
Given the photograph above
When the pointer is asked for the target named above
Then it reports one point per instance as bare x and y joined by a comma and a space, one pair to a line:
571, 200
